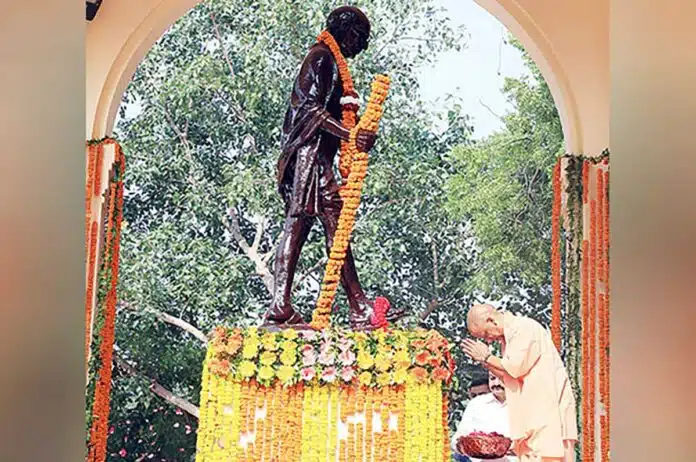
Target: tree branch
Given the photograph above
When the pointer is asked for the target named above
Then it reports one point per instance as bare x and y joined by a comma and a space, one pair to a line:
250, 251
436, 278
259, 233
432, 306
158, 389
216, 29
169, 319
491, 111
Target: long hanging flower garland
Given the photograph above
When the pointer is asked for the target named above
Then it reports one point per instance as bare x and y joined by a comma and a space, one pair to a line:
350, 193
92, 239
100, 362
94, 166
556, 256
586, 454
604, 331
592, 330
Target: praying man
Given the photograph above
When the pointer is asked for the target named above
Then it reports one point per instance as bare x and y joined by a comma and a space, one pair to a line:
540, 400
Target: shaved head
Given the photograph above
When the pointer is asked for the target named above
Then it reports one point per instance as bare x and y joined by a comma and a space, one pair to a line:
484, 321
478, 314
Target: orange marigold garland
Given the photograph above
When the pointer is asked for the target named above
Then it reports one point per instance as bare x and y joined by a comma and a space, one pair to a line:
600, 224
350, 194
98, 169
90, 247
585, 350
585, 180
91, 160
89, 296
602, 375
349, 101
591, 394
556, 256
100, 364
445, 433
605, 339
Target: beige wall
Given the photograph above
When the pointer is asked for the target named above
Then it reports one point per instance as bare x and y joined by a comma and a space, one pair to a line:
116, 41
569, 41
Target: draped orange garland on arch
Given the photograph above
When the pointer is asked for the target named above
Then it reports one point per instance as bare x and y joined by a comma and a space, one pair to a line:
594, 270
101, 313
604, 361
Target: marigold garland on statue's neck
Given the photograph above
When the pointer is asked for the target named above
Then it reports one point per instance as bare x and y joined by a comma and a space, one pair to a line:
349, 101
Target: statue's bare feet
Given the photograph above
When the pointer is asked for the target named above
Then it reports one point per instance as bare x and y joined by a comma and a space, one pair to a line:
282, 316
394, 314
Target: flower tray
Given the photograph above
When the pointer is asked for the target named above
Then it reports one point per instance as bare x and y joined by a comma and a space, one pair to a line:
485, 446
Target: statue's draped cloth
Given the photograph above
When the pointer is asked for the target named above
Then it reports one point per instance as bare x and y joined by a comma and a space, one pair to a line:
305, 175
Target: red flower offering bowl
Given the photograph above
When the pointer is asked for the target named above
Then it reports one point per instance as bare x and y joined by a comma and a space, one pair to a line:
485, 446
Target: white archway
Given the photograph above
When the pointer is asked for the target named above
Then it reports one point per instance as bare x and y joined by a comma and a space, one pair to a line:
140, 23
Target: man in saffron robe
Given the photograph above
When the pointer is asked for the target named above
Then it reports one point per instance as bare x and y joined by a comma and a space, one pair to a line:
540, 399
312, 132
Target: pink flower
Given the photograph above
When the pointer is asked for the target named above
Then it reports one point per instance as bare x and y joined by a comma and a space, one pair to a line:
307, 374
325, 346
111, 430
178, 411
123, 452
347, 374
329, 374
188, 429
344, 344
309, 335
327, 358
347, 357
307, 349
309, 358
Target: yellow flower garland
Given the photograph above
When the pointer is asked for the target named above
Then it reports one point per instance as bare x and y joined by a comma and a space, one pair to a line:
297, 420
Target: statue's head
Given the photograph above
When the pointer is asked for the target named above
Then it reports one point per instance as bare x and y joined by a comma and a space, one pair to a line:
351, 29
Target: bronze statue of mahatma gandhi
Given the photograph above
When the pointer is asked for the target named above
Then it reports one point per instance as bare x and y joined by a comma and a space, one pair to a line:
311, 136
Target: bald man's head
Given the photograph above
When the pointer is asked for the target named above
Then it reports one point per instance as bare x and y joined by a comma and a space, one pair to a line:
484, 321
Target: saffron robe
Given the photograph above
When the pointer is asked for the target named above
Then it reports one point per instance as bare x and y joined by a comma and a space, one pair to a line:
540, 399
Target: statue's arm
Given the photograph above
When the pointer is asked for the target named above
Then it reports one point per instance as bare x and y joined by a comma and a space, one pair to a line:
316, 78
334, 127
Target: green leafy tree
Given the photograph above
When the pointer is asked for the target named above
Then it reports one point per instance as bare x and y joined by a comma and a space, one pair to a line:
502, 188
